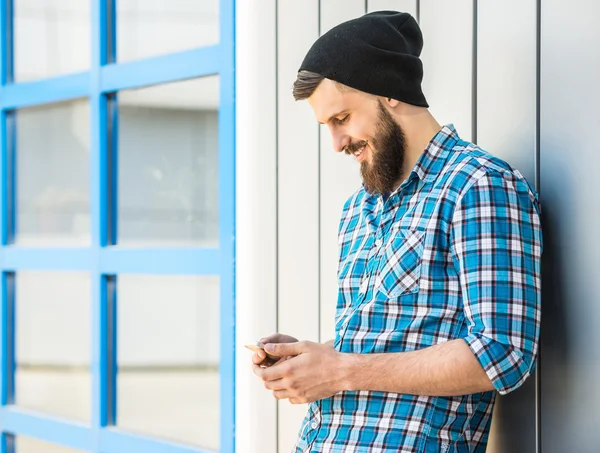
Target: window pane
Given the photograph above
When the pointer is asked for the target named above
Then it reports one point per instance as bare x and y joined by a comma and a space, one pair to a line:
168, 355
52, 37
52, 343
52, 175
158, 27
30, 445
168, 165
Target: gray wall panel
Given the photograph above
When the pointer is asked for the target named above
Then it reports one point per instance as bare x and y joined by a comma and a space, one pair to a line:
569, 162
448, 61
506, 126
506, 81
313, 184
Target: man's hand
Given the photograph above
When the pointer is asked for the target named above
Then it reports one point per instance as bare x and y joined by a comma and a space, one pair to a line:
314, 371
260, 357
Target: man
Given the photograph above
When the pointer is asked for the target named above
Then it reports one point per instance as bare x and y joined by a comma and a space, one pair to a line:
439, 269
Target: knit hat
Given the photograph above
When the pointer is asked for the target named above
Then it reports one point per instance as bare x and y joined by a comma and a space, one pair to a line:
377, 53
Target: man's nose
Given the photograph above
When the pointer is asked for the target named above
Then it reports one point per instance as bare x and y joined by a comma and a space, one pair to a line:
339, 141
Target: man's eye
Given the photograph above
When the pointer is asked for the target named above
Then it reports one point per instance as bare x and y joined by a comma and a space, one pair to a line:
343, 120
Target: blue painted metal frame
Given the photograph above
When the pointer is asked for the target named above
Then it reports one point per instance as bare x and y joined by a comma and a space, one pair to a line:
104, 261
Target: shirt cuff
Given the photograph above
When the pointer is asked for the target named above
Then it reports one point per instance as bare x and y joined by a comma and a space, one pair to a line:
505, 366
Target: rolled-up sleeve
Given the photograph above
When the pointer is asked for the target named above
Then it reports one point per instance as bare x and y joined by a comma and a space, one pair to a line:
496, 243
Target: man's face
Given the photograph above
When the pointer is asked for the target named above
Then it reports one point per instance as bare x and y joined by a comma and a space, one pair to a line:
362, 127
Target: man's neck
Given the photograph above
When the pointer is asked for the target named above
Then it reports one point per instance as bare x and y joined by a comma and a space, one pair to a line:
419, 129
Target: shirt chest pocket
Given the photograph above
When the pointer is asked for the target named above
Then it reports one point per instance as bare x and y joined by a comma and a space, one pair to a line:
399, 270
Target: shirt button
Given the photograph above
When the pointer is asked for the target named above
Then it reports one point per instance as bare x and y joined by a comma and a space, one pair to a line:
378, 242
314, 425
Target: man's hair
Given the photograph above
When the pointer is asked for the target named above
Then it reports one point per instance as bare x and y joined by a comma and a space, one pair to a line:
305, 85
307, 82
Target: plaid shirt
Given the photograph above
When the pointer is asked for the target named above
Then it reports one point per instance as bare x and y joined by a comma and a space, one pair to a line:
453, 253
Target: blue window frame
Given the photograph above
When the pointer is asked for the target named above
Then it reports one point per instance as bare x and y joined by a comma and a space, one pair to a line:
102, 261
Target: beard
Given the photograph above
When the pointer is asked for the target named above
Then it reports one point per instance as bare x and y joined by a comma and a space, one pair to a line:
383, 173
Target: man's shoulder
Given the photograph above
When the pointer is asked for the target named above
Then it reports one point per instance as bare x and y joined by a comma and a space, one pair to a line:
467, 163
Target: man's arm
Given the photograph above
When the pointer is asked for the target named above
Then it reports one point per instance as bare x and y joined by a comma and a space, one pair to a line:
448, 369
318, 371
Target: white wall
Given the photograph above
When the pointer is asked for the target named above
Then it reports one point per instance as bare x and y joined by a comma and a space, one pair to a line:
256, 216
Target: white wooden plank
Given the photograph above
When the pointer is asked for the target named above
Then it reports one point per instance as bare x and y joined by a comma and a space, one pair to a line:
256, 217
298, 185
448, 61
407, 6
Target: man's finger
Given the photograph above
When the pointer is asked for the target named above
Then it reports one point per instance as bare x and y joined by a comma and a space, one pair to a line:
286, 349
281, 394
272, 373
258, 356
278, 384
258, 370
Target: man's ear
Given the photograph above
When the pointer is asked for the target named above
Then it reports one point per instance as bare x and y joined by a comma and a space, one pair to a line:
392, 103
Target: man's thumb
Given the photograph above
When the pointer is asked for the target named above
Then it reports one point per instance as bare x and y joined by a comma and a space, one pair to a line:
284, 349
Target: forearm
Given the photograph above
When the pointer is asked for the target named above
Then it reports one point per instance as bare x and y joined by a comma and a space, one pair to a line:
448, 369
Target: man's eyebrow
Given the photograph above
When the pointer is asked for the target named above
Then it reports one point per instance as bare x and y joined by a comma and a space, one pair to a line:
333, 116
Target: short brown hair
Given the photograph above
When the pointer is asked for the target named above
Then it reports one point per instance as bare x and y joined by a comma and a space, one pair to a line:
305, 85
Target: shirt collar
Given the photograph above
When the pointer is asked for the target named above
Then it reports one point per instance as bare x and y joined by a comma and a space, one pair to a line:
432, 160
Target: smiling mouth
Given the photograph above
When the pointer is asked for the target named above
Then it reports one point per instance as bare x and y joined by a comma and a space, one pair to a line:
358, 154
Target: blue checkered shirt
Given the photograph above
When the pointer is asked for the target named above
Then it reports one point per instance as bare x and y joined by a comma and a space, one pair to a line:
453, 253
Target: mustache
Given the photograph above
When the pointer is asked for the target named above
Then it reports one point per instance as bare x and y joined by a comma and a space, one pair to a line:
353, 147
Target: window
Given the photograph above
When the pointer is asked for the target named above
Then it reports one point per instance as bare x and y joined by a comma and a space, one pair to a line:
117, 206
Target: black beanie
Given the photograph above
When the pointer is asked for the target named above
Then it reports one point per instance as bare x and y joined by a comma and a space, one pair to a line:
377, 53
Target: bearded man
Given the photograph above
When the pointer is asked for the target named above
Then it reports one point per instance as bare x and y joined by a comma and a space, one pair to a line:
439, 266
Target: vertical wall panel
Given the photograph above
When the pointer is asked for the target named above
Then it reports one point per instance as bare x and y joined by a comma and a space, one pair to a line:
407, 6
256, 217
298, 192
506, 75
448, 61
506, 127
340, 178
569, 185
